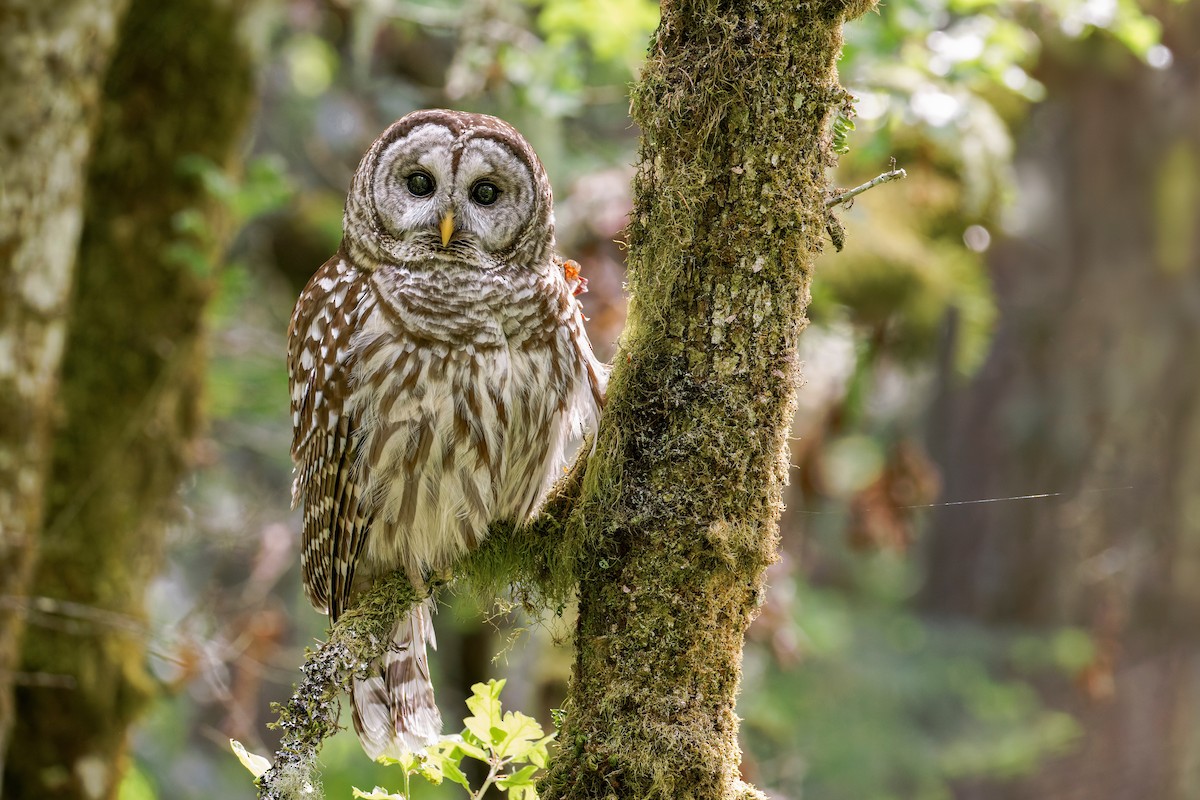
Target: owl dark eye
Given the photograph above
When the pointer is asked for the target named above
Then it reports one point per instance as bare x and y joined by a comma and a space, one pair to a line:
485, 193
420, 184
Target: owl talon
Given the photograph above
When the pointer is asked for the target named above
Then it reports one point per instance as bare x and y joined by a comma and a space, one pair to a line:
439, 577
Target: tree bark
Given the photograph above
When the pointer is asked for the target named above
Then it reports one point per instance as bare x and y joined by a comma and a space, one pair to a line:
180, 84
677, 518
52, 58
1092, 389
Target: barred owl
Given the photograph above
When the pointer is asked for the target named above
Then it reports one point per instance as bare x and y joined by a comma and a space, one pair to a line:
437, 365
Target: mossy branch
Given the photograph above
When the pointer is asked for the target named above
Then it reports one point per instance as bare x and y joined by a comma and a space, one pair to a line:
535, 562
311, 715
529, 558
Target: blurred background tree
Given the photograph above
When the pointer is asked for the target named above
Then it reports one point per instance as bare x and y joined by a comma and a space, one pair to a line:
45, 140
1089, 389
177, 92
1016, 318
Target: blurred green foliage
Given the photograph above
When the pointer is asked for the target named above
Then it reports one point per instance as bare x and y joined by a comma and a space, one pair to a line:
136, 786
886, 705
941, 86
872, 699
615, 32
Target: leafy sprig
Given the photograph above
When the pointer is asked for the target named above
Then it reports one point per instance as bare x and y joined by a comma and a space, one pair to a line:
512, 745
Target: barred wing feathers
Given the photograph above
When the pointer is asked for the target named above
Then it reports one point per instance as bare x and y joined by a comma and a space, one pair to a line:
323, 443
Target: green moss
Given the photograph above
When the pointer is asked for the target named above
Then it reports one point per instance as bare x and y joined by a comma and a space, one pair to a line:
311, 714
676, 519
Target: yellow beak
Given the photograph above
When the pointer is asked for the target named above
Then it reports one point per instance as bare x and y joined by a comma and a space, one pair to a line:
447, 227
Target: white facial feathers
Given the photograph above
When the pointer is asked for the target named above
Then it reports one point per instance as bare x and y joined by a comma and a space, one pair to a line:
490, 219
497, 224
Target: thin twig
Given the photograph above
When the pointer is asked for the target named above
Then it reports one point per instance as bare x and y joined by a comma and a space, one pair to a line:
427, 16
53, 613
871, 184
44, 680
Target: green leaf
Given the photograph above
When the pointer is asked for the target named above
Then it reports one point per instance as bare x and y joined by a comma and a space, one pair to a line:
523, 792
430, 769
407, 762
518, 733
427, 764
445, 755
257, 764
843, 126
539, 755
452, 772
480, 729
456, 747
485, 700
474, 751
379, 793
522, 777
486, 717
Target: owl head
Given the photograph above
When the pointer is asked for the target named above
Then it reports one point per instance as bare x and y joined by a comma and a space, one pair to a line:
452, 188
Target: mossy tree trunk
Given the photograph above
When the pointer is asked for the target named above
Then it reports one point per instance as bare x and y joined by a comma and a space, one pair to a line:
1092, 388
676, 521
52, 58
180, 84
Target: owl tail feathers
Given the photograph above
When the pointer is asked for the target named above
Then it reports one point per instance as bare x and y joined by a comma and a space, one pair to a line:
394, 710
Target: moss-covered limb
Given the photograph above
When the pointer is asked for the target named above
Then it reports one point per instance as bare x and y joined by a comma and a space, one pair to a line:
179, 84
527, 558
677, 518
534, 561
311, 715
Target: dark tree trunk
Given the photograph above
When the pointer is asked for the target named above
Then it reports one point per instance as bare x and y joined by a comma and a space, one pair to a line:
677, 518
1093, 388
180, 85
52, 59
